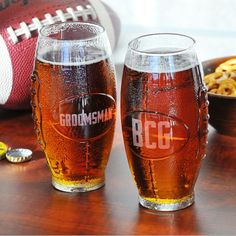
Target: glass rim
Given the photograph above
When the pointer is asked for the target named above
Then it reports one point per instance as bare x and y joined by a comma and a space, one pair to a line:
48, 37
131, 47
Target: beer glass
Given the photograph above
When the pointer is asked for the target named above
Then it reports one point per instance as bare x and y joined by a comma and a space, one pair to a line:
74, 103
164, 111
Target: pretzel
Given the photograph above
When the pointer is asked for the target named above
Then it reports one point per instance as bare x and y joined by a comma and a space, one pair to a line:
223, 80
211, 80
227, 66
227, 87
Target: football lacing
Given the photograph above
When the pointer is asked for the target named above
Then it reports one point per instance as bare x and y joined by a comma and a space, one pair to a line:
60, 16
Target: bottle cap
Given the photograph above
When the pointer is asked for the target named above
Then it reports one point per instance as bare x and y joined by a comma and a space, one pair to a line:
3, 150
19, 155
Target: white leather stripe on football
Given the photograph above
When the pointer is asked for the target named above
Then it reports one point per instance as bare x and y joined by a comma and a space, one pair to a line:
105, 20
6, 72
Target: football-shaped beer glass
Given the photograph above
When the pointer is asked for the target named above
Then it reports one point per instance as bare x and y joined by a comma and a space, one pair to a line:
164, 111
74, 103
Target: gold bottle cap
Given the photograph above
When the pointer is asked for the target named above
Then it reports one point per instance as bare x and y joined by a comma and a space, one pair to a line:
19, 155
3, 150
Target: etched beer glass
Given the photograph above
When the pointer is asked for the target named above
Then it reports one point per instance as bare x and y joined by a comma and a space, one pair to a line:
164, 111
74, 103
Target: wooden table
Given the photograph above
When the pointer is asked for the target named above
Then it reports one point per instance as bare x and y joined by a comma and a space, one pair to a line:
29, 204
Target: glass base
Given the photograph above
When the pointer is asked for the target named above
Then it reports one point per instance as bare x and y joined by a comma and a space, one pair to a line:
76, 188
183, 203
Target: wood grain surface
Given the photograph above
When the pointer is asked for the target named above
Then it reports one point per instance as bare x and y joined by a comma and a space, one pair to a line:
30, 205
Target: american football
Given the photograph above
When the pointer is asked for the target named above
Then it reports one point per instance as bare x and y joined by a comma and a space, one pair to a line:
20, 22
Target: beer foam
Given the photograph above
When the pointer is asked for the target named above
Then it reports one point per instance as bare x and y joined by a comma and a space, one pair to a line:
160, 61
69, 57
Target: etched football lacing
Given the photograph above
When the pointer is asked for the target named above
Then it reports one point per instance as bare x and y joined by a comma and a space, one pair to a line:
60, 16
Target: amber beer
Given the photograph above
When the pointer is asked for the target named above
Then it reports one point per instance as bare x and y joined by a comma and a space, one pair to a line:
165, 132
164, 112
74, 112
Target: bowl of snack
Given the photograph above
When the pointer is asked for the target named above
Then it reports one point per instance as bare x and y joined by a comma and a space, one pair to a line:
220, 79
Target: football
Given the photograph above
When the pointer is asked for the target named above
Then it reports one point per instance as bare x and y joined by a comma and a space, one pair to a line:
20, 22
